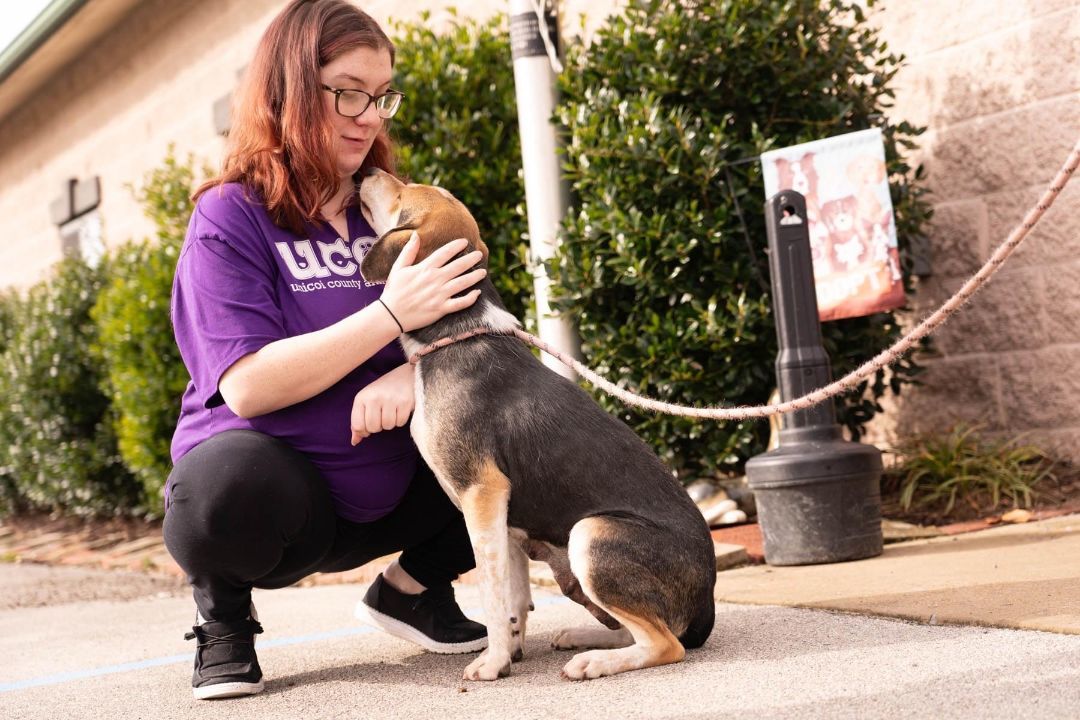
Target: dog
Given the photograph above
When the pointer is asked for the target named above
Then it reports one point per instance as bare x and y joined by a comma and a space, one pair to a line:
540, 470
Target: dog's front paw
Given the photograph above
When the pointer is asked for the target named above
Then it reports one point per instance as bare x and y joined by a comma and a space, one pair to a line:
489, 666
566, 639
578, 638
590, 665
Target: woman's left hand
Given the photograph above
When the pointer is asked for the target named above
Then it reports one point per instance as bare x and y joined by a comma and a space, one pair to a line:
384, 404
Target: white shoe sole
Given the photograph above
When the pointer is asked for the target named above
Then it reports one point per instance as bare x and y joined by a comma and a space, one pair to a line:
398, 629
227, 690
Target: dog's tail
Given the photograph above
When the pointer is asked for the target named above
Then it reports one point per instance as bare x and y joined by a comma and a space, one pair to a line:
699, 629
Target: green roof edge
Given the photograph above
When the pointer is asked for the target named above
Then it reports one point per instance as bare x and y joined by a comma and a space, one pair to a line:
47, 22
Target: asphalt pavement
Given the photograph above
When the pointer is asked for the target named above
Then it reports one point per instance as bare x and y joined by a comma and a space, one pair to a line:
124, 657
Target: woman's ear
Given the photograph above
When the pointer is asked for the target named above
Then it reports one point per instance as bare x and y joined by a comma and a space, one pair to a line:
375, 267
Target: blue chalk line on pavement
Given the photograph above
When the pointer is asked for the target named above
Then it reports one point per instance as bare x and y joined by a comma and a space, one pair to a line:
73, 675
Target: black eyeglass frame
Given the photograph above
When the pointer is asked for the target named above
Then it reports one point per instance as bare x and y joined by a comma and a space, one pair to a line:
371, 99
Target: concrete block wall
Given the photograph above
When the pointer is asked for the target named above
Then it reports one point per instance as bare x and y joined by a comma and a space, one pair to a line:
997, 83
151, 81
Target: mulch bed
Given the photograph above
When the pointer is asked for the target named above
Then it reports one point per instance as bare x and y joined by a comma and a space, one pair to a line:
91, 528
1057, 495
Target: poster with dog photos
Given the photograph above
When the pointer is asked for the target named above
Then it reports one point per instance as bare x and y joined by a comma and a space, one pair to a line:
851, 224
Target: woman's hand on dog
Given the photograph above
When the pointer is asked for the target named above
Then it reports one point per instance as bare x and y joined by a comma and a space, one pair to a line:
419, 294
383, 404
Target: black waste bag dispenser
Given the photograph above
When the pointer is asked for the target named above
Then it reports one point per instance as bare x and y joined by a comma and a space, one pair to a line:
818, 496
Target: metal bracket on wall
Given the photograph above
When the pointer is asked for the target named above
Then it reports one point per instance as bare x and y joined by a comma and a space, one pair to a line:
77, 197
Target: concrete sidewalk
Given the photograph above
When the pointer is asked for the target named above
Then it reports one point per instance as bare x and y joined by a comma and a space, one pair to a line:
126, 659
1017, 576
77, 642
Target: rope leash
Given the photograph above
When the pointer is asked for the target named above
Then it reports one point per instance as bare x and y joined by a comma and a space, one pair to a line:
885, 357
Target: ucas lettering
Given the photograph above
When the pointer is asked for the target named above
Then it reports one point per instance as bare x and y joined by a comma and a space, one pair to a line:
305, 263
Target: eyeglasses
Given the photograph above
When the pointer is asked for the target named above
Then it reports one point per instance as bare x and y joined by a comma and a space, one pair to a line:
354, 103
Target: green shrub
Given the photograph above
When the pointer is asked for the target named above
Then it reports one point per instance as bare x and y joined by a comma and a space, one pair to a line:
664, 114
9, 308
10, 500
938, 470
144, 374
458, 129
56, 441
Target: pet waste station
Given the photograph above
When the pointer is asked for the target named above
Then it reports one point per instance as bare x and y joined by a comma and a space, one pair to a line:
818, 495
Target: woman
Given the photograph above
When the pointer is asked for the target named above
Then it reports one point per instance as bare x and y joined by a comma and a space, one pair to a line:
291, 454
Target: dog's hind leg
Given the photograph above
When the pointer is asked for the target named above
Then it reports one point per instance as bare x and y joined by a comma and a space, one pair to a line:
484, 504
654, 644
520, 595
559, 563
625, 589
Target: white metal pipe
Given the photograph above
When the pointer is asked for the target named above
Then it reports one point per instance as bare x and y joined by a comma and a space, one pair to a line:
546, 196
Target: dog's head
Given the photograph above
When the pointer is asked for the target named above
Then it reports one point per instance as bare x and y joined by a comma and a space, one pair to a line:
396, 210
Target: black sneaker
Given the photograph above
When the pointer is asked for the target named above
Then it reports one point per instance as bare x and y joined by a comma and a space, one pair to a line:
225, 661
431, 619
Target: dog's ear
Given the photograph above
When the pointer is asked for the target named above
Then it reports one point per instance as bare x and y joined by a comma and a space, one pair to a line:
449, 222
484, 249
375, 267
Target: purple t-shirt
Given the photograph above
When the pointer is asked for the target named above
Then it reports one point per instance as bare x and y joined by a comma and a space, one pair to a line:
241, 283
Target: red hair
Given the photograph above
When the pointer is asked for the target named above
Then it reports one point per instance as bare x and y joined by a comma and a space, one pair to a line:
281, 141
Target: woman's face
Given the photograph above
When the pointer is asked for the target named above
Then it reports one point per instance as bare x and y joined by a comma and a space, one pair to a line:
362, 68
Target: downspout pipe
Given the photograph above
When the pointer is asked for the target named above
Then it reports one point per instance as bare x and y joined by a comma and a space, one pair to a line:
546, 194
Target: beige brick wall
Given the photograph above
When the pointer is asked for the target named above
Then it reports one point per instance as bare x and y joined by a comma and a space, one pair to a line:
998, 85
150, 82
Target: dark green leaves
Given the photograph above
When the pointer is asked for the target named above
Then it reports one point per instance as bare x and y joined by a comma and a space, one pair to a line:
663, 263
144, 374
459, 130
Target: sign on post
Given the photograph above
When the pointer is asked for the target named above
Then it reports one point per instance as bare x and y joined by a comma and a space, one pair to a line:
851, 223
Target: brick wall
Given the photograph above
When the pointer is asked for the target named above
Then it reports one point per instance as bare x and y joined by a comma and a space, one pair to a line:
998, 85
151, 81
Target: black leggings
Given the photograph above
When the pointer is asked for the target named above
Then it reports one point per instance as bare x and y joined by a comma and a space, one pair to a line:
246, 510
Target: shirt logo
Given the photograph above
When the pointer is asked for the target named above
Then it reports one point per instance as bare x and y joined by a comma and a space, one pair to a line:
308, 260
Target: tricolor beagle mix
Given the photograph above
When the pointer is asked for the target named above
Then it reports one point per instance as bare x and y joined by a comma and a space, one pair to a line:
540, 470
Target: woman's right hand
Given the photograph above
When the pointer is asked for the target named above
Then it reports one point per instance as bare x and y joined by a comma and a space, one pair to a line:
421, 293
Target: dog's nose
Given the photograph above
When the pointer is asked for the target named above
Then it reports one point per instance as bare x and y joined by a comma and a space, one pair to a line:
368, 171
